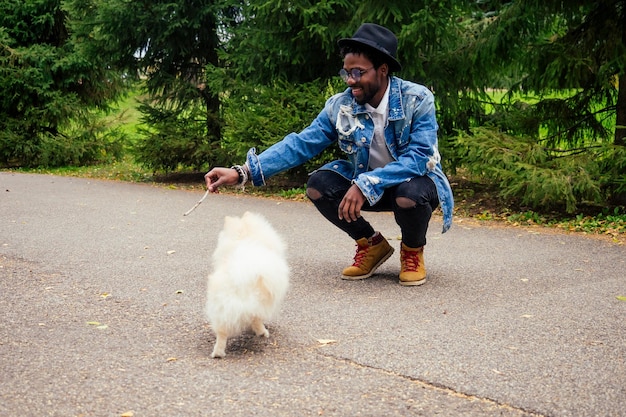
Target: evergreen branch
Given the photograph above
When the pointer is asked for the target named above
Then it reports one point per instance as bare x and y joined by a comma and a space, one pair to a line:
574, 151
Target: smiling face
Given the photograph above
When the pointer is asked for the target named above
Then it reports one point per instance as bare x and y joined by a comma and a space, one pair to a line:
371, 87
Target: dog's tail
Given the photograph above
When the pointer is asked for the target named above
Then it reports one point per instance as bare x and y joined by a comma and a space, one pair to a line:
265, 295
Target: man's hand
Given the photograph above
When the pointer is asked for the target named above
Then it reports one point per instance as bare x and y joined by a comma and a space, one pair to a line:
220, 176
350, 206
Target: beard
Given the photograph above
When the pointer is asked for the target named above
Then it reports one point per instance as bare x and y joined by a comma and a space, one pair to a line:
365, 93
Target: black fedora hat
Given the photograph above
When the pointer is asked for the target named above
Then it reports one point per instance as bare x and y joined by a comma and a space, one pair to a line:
376, 37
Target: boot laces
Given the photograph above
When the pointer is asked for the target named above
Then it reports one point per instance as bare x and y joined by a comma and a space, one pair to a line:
410, 260
361, 252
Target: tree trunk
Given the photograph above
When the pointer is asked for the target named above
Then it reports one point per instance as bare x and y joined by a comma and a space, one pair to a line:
620, 130
213, 124
211, 98
620, 120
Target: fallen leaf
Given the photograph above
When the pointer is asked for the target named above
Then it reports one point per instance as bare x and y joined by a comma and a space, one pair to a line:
102, 327
128, 414
621, 297
179, 292
105, 295
169, 252
93, 323
527, 316
326, 341
171, 359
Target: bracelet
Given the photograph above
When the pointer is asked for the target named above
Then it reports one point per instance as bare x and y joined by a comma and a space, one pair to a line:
243, 174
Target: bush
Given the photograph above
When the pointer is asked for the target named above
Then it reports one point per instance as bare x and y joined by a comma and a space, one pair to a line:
176, 139
259, 116
531, 174
86, 143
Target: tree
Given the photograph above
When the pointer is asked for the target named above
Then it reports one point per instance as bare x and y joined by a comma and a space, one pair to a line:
561, 63
571, 58
296, 41
168, 43
554, 46
46, 83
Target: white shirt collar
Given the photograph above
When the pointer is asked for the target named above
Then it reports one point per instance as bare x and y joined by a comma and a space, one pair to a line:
382, 106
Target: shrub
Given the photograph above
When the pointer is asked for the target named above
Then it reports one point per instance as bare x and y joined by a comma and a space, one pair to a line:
527, 172
89, 142
259, 116
174, 139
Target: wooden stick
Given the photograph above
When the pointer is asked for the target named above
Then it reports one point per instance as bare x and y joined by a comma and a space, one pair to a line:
197, 204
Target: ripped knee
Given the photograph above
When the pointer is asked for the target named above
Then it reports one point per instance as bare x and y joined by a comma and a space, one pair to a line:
313, 194
405, 203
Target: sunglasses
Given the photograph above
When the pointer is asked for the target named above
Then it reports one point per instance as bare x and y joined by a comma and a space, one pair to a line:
355, 73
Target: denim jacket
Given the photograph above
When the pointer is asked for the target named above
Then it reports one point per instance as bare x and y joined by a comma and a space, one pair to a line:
411, 136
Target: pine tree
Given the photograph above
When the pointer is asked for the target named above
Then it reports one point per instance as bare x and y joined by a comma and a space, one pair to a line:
554, 46
168, 44
570, 59
45, 83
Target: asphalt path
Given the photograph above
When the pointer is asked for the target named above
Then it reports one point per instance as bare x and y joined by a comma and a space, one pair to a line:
102, 289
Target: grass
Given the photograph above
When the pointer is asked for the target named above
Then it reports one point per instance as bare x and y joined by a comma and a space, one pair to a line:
126, 114
481, 204
124, 170
610, 225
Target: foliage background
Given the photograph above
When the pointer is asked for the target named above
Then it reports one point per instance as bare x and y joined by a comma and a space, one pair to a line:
528, 93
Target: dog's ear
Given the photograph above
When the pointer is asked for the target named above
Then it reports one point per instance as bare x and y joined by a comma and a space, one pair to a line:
229, 222
234, 226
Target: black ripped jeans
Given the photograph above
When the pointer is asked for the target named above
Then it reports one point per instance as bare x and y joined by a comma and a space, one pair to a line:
413, 221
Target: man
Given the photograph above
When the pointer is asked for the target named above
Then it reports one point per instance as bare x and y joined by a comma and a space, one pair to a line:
387, 128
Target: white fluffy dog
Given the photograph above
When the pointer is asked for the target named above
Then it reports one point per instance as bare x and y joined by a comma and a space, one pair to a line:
249, 279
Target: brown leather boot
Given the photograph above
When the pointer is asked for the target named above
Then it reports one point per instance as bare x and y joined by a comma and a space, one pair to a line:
412, 270
370, 254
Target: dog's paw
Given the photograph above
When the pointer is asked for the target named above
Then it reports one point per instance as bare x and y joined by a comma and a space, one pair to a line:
218, 355
259, 328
